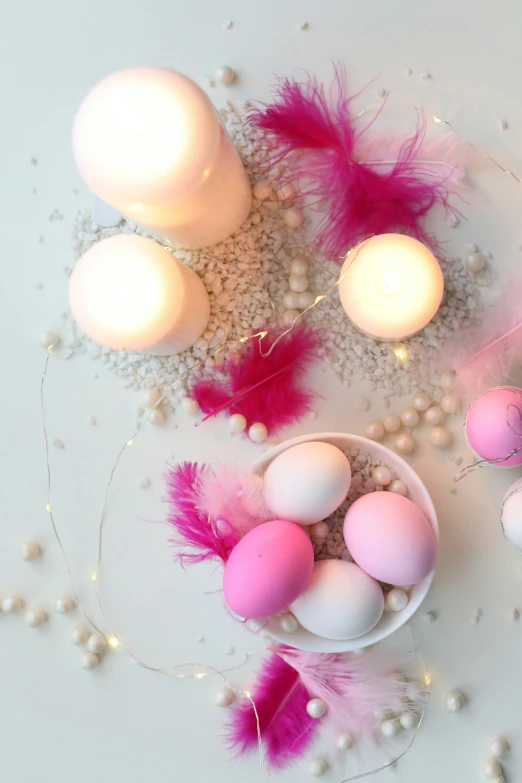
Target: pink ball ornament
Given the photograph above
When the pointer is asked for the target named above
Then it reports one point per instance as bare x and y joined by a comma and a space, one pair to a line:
268, 569
389, 537
492, 423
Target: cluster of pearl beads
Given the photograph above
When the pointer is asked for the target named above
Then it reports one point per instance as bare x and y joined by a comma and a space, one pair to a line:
237, 423
298, 297
156, 414
493, 770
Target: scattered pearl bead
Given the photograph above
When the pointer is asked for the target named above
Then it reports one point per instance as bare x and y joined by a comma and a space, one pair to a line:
237, 423
499, 747
363, 404
421, 401
316, 708
493, 770
288, 623
450, 402
190, 405
89, 660
318, 767
262, 190
408, 71
397, 600
225, 75
382, 475
35, 617
344, 742
65, 605
96, 643
150, 398
306, 299
390, 728
144, 482
409, 721
258, 432
285, 192
447, 379
455, 701
382, 713
425, 75
293, 218
303, 26
224, 696
30, 550
58, 444
392, 422
405, 443
374, 430
503, 125
289, 317
157, 416
319, 530
434, 415
381, 92
12, 604
475, 262
399, 487
80, 635
440, 437
429, 617
48, 338
410, 417
298, 283
228, 25
299, 265
291, 300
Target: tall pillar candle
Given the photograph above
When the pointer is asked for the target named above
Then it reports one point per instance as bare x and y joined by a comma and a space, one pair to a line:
130, 293
149, 142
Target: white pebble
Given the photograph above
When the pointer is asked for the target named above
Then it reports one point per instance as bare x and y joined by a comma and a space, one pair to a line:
92, 421
392, 422
455, 701
503, 125
228, 25
408, 71
374, 430
89, 660
405, 443
224, 696
303, 26
434, 415
30, 550
58, 444
96, 643
398, 486
190, 405
293, 218
289, 317
499, 747
390, 728
382, 475
397, 600
150, 398
258, 432
316, 708
317, 767
515, 614
440, 437
144, 482
291, 300
299, 265
409, 721
65, 605
48, 338
344, 741
80, 635
475, 262
35, 617
12, 604
410, 417
288, 623
230, 650
262, 190
425, 75
363, 404
319, 530
493, 769
225, 75
156, 416
237, 423
298, 283
306, 299
421, 401
450, 402
429, 617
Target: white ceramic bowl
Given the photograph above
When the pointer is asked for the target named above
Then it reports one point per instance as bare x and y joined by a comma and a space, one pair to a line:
417, 492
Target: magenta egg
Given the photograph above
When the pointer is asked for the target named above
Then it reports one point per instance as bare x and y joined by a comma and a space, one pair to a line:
494, 425
389, 537
268, 569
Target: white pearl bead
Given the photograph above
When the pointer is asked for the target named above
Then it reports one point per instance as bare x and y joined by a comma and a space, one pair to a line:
421, 401
382, 475
316, 708
289, 317
30, 550
447, 379
89, 660
318, 767
35, 617
493, 770
374, 430
298, 283
382, 713
258, 432
150, 398
450, 402
344, 742
262, 190
390, 728
48, 338
80, 635
12, 604
499, 747
157, 416
475, 262
64, 605
434, 415
237, 423
96, 643
285, 192
293, 218
291, 300
440, 437
299, 265
319, 530
410, 417
190, 405
399, 487
225, 75
224, 696
306, 299
397, 600
288, 623
429, 617
405, 443
409, 721
455, 701
392, 422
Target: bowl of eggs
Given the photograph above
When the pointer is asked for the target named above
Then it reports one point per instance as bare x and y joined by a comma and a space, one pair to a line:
350, 554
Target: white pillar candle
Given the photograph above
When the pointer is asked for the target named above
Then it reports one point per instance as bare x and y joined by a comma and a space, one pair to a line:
149, 142
128, 292
391, 286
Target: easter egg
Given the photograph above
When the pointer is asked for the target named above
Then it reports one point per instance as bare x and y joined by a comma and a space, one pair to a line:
390, 538
340, 602
511, 518
268, 569
307, 482
494, 425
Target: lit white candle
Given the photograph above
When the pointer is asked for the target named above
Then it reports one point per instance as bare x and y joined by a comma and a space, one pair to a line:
391, 286
149, 142
128, 292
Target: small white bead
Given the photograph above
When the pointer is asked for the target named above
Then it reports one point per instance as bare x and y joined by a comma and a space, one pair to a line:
293, 218
399, 487
157, 416
405, 443
447, 379
344, 742
298, 283
374, 430
285, 192
397, 600
299, 265
35, 617
228, 25
48, 338
429, 617
291, 300
382, 713
258, 432
289, 317
499, 747
288, 623
440, 437
225, 75
224, 696
493, 770
306, 299
96, 643
421, 401
475, 262
425, 75
409, 721
65, 605
503, 125
381, 92
303, 26
450, 402
237, 423
262, 190
382, 475
144, 482
30, 550
150, 398
319, 530
392, 422
80, 636
390, 728
89, 660
12, 604
317, 767
434, 415
410, 417
316, 708
455, 701
190, 405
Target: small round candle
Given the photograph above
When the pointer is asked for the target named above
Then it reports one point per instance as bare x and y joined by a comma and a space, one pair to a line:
391, 286
128, 292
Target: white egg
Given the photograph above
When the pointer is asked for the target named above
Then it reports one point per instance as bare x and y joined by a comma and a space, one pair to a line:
306, 483
512, 515
340, 602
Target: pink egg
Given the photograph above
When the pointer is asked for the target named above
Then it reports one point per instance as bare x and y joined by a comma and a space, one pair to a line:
389, 537
492, 424
268, 569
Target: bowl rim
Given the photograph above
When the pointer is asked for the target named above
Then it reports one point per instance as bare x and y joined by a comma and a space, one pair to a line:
390, 621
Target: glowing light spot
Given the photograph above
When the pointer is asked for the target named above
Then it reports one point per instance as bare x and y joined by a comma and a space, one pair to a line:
401, 353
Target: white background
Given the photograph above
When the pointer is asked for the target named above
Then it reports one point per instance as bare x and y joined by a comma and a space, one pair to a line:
121, 723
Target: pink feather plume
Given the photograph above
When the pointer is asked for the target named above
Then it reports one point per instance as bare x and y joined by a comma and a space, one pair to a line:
233, 494
361, 198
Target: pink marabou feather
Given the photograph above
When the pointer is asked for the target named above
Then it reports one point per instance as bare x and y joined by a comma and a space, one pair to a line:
233, 494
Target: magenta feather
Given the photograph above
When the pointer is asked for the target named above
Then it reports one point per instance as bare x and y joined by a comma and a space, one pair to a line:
233, 494
361, 198
285, 726
265, 387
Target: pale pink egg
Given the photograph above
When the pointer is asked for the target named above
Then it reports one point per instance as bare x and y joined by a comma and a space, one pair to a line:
268, 569
389, 537
494, 425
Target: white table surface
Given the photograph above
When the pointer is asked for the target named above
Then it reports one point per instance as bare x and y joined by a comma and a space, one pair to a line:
121, 723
